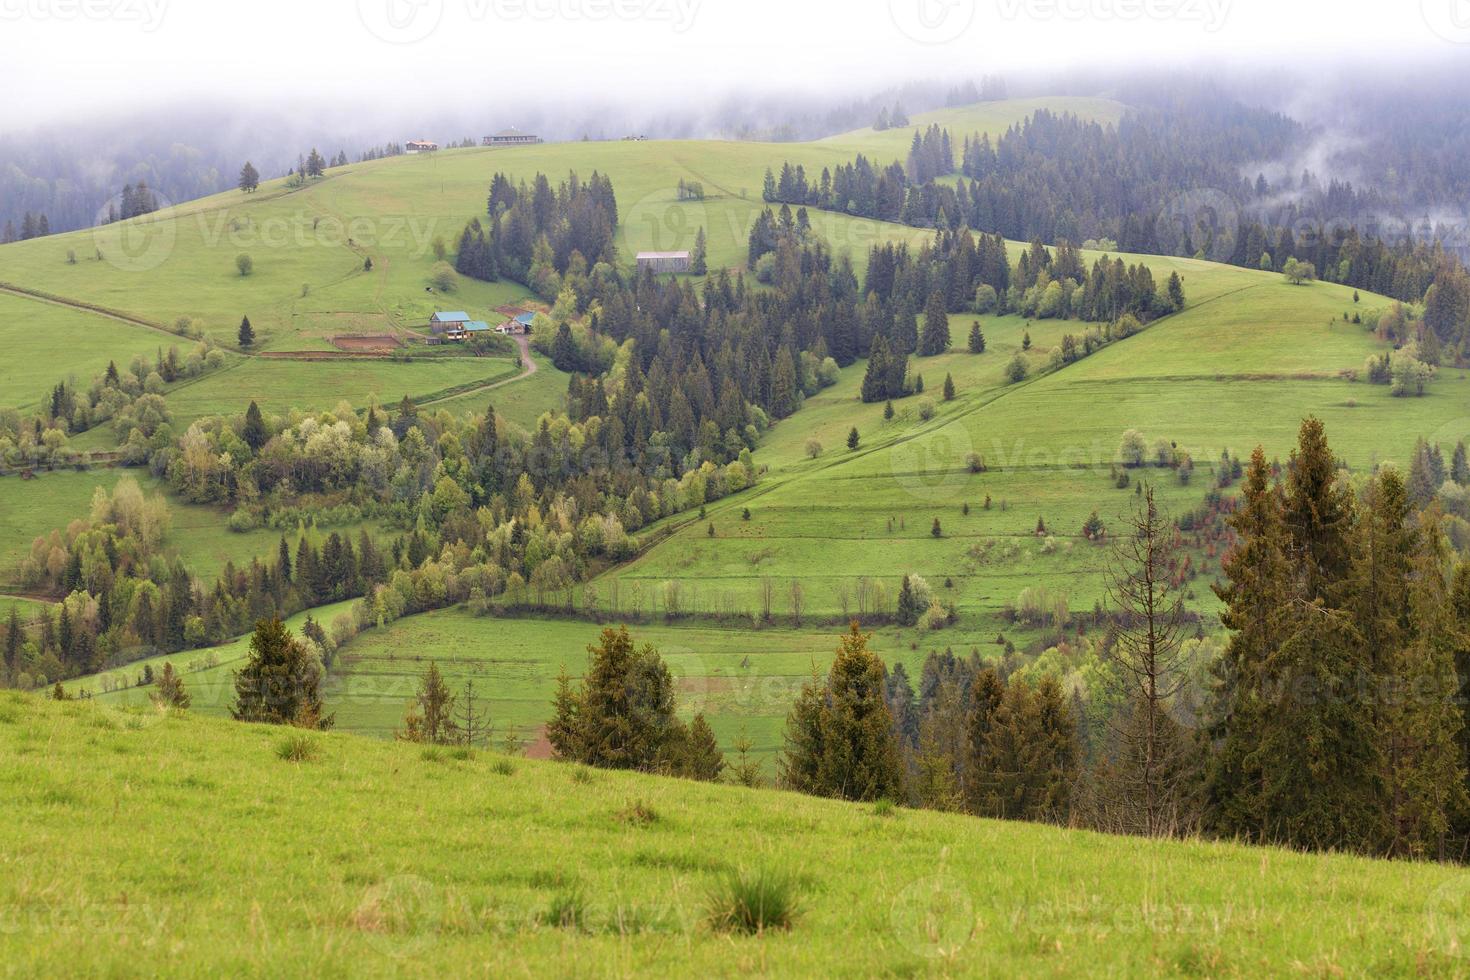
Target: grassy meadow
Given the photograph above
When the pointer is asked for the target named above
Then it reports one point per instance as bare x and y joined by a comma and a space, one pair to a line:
366, 858
1243, 363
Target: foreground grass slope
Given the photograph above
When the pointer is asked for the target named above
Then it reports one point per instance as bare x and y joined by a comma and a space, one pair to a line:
141, 843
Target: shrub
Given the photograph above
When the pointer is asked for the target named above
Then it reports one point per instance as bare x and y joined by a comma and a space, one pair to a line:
245, 264
1132, 450
813, 448
926, 409
935, 617
443, 278
752, 902
1017, 369
975, 462
503, 767
243, 519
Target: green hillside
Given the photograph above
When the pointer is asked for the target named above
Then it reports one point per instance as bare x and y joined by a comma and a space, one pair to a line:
309, 284
1247, 358
193, 848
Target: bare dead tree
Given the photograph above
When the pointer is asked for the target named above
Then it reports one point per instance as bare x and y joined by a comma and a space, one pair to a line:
768, 594
474, 724
1142, 783
798, 601
843, 591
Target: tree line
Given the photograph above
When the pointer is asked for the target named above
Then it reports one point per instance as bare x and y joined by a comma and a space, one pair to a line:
1334, 719
1055, 177
536, 233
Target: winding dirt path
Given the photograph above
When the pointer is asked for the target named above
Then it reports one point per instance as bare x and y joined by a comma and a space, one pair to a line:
528, 368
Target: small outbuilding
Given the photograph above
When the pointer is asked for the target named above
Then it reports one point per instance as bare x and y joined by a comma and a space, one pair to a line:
510, 137
520, 324
660, 262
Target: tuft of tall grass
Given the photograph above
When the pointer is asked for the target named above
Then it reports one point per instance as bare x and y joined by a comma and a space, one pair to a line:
638, 813
297, 748
753, 901
566, 910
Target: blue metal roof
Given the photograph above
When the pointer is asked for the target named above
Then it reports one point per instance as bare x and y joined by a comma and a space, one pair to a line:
450, 316
526, 318
475, 326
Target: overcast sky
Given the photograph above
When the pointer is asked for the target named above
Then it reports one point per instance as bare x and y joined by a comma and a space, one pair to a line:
71, 58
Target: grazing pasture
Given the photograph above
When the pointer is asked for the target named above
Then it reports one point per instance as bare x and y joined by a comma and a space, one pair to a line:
324, 853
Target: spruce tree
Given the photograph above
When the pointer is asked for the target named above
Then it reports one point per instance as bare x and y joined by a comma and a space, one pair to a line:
801, 758
249, 178
987, 691
1383, 548
859, 757
784, 399
977, 339
935, 784
1255, 595
1318, 514
1422, 745
254, 431
281, 682
623, 715
875, 379
1320, 755
909, 609
430, 715
170, 692
1029, 756
853, 438
948, 387
935, 337
700, 756
564, 730
246, 333
698, 260
14, 639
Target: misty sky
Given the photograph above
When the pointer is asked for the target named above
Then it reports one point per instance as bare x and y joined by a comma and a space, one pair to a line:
71, 58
